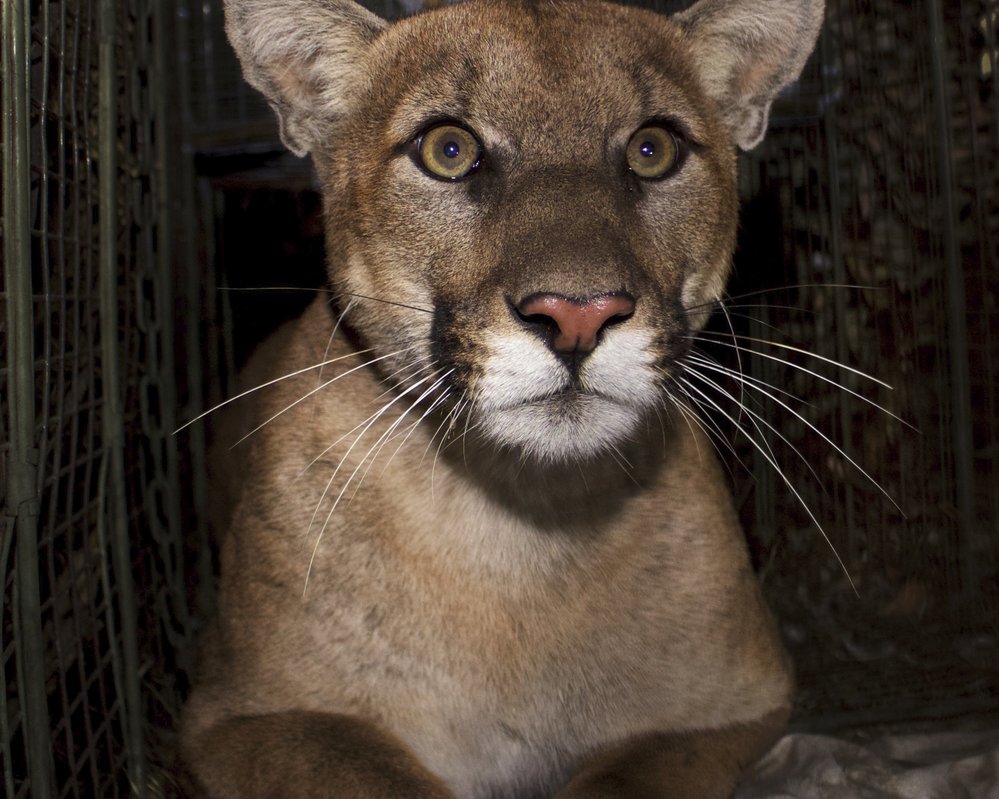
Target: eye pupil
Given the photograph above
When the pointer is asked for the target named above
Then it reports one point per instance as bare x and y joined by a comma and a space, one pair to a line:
652, 152
448, 151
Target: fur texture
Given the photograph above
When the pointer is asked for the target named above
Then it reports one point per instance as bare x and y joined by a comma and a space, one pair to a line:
466, 560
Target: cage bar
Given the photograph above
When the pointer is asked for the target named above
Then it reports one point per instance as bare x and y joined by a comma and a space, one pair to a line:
22, 500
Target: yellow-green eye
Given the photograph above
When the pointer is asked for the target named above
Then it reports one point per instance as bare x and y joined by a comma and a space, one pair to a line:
652, 152
449, 152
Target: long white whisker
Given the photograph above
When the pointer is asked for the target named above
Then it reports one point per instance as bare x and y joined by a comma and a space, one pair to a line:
389, 433
696, 356
755, 416
714, 433
769, 457
675, 402
317, 389
336, 327
242, 394
444, 422
451, 419
738, 355
760, 292
403, 374
386, 436
438, 401
758, 386
619, 458
371, 420
817, 375
464, 432
800, 351
334, 294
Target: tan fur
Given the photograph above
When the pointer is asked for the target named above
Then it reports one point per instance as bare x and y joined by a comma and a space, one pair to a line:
536, 586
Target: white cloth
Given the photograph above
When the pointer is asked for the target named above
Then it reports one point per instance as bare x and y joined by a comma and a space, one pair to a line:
939, 765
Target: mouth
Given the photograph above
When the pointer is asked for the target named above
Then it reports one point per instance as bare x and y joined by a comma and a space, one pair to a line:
565, 425
563, 400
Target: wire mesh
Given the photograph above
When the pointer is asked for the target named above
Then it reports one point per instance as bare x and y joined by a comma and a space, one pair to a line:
82, 190
871, 226
869, 239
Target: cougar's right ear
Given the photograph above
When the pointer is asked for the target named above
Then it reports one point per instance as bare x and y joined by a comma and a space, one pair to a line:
306, 57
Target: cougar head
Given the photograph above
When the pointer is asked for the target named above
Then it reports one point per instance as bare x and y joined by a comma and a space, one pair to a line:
532, 203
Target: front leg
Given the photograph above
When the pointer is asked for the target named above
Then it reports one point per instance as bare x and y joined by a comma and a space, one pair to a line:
702, 764
304, 754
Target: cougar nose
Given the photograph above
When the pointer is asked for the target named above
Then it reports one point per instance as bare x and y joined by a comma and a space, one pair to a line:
575, 322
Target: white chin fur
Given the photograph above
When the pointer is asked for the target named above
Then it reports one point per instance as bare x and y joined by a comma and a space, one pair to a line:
519, 404
551, 431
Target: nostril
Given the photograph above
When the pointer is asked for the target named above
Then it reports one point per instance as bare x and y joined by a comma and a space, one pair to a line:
575, 323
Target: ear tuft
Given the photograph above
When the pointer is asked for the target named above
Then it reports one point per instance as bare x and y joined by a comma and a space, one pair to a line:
747, 51
305, 56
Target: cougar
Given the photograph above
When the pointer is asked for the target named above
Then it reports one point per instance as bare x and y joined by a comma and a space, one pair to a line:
481, 548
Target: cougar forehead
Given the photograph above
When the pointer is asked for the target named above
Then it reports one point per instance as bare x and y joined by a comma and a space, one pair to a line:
540, 77
552, 94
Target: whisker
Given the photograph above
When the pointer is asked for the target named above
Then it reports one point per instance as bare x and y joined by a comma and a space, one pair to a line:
619, 458
415, 425
450, 419
713, 434
370, 421
800, 351
768, 455
386, 436
404, 373
675, 401
755, 416
390, 433
759, 292
738, 355
697, 356
464, 434
324, 290
305, 396
270, 383
713, 430
386, 302
336, 327
764, 306
819, 376
758, 385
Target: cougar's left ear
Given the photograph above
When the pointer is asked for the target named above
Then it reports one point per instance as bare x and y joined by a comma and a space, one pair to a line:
747, 51
306, 56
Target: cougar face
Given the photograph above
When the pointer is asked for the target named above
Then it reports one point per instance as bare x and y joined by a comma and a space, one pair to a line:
557, 277
530, 209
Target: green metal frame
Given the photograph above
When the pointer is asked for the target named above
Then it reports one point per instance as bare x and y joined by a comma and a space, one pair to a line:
22, 467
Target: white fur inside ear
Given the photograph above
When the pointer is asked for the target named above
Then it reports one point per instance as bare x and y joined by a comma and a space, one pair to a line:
304, 56
747, 51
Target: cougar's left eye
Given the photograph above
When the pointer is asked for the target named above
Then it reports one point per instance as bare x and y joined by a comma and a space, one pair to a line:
449, 152
652, 152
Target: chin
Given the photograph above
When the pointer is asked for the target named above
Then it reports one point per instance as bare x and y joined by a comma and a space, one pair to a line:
562, 429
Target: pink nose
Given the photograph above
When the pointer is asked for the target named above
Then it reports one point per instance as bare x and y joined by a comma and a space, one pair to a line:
577, 322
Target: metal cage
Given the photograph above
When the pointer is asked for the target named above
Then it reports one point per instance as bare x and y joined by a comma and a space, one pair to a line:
870, 237
94, 626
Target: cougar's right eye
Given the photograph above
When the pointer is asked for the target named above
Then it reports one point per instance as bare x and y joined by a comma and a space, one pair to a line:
449, 152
